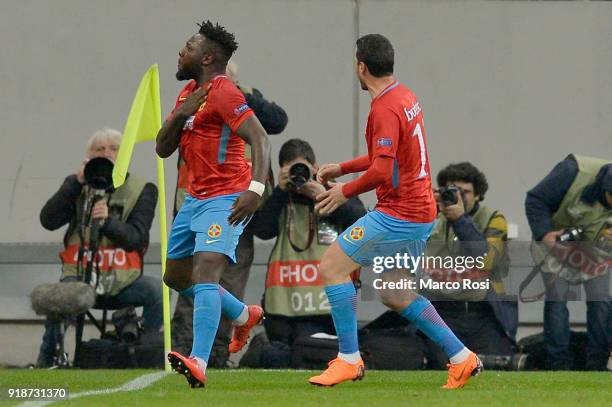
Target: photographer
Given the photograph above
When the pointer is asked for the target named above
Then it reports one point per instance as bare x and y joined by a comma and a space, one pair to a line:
294, 298
573, 203
123, 219
483, 318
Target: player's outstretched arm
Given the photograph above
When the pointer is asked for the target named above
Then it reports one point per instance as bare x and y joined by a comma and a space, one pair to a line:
329, 172
358, 164
377, 173
380, 171
253, 133
169, 135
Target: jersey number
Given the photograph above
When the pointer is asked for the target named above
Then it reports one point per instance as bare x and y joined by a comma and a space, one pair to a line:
419, 134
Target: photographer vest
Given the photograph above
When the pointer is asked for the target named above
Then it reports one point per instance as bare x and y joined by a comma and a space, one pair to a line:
293, 284
580, 261
116, 268
443, 244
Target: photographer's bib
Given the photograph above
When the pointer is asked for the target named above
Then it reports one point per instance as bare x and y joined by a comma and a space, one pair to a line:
591, 257
114, 268
293, 283
443, 244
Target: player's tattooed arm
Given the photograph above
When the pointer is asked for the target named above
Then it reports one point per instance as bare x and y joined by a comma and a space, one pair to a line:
169, 135
253, 133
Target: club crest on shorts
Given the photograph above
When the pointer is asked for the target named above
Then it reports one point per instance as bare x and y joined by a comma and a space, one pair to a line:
356, 233
214, 230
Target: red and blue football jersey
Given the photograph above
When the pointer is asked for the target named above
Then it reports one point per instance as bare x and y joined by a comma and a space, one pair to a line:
395, 129
213, 152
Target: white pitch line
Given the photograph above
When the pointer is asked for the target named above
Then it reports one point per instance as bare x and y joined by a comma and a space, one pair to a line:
138, 383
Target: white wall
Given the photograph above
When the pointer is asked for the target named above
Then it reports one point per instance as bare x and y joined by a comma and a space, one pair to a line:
511, 86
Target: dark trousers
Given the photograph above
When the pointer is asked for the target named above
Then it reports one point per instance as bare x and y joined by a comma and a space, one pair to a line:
556, 322
475, 325
234, 280
145, 292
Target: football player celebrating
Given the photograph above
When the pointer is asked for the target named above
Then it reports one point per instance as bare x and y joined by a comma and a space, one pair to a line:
397, 166
211, 122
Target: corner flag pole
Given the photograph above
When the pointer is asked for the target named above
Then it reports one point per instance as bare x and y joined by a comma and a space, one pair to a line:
143, 124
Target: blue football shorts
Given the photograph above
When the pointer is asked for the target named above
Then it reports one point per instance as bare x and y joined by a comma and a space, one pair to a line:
201, 226
378, 234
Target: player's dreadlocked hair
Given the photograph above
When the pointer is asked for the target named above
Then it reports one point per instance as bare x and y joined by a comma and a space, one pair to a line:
225, 40
464, 172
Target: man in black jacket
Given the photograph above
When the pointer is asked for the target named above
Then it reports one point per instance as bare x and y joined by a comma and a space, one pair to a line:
576, 193
125, 218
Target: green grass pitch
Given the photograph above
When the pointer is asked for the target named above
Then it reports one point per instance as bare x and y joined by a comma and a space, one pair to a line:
239, 388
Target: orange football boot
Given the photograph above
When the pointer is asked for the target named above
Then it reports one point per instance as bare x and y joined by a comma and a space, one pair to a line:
459, 374
241, 333
189, 368
338, 371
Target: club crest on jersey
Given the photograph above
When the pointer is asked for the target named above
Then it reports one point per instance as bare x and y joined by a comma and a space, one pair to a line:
356, 233
384, 142
189, 123
240, 109
214, 230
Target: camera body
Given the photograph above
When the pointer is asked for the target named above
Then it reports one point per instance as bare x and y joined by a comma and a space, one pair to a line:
449, 195
299, 174
127, 324
573, 234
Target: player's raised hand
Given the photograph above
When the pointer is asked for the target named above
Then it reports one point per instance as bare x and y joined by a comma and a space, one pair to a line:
328, 172
194, 101
330, 200
244, 207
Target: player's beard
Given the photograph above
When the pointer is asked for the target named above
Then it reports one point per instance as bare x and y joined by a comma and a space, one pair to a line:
182, 75
363, 85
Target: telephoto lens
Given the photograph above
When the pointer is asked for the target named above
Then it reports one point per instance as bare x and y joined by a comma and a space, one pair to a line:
299, 174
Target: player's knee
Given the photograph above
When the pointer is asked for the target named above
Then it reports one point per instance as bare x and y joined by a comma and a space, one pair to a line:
170, 280
328, 271
208, 267
391, 300
177, 276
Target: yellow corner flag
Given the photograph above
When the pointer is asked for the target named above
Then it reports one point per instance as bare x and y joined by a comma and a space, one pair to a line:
143, 124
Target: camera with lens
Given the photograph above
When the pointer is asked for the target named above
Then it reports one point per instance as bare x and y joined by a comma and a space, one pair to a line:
573, 234
449, 195
299, 174
128, 324
98, 174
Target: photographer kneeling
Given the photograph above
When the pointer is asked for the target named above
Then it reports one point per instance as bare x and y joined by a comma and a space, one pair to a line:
570, 216
122, 219
294, 300
479, 312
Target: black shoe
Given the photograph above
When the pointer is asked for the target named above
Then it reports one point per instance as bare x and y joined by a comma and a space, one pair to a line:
252, 356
